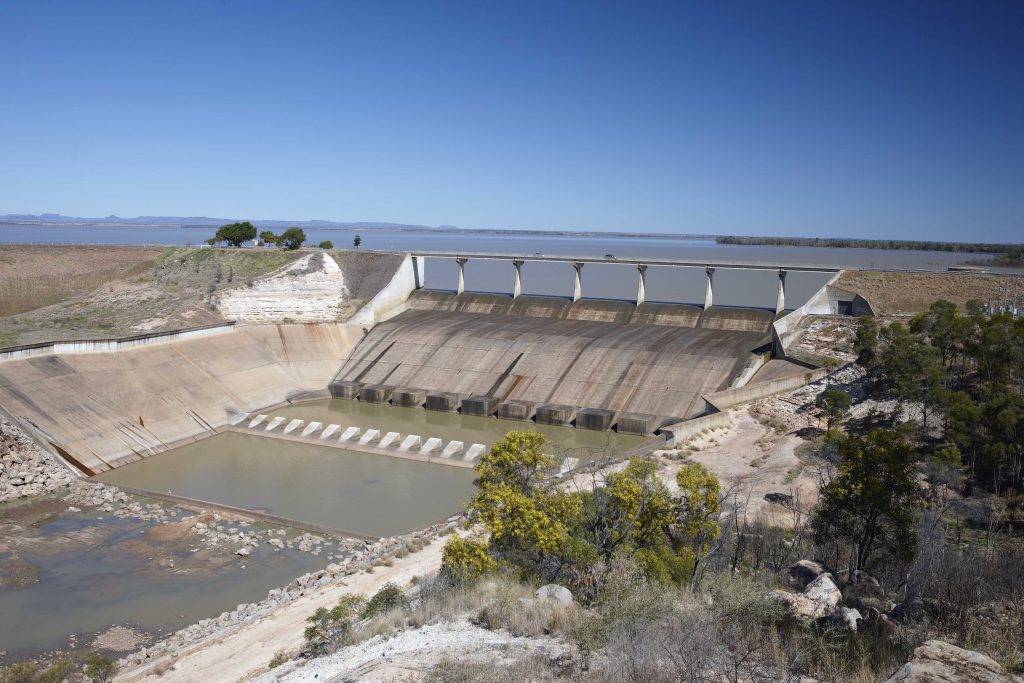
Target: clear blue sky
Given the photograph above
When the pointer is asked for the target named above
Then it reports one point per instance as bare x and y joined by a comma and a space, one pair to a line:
889, 119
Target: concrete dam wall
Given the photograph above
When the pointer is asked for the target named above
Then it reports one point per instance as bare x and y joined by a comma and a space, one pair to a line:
654, 358
105, 409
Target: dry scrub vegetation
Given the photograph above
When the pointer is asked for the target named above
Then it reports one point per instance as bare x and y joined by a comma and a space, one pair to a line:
52, 293
907, 293
33, 276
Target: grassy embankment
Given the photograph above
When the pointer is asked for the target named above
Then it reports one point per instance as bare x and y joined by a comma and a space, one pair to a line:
911, 293
52, 293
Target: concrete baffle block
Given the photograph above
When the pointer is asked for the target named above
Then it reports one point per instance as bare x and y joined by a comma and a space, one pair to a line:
369, 436
376, 393
408, 398
475, 451
442, 401
636, 423
256, 421
515, 410
349, 390
482, 406
312, 427
330, 431
555, 414
293, 425
594, 418
238, 418
389, 439
349, 434
274, 424
432, 444
453, 448
411, 442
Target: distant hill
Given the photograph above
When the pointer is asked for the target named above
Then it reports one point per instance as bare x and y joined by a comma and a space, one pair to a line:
200, 222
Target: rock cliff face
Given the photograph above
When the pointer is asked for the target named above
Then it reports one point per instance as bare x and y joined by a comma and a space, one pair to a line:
313, 289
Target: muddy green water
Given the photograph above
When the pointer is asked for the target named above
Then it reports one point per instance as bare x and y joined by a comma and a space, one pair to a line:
365, 493
368, 494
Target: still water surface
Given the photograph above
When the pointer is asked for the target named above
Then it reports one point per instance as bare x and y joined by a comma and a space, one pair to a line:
360, 492
607, 281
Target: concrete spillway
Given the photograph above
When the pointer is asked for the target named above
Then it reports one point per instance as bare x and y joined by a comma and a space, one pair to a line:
106, 409
654, 358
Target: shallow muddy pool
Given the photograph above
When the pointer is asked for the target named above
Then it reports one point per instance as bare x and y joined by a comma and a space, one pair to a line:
358, 492
80, 573
367, 494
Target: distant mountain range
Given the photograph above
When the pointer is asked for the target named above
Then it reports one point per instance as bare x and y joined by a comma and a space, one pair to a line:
207, 222
196, 222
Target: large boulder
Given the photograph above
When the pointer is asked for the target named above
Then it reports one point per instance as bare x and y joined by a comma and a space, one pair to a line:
819, 599
553, 591
844, 618
805, 571
939, 662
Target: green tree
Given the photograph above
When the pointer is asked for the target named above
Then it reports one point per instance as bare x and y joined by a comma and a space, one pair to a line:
913, 370
236, 234
326, 244
698, 512
292, 238
390, 597
330, 629
871, 504
865, 343
268, 237
100, 669
357, 241
833, 405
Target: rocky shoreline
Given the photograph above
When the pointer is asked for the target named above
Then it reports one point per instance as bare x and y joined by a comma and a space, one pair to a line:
361, 559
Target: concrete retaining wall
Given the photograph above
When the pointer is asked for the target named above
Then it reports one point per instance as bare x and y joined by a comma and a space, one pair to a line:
723, 400
391, 300
681, 431
95, 345
786, 328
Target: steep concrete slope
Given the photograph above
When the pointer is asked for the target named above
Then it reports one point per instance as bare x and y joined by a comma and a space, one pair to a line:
107, 409
551, 351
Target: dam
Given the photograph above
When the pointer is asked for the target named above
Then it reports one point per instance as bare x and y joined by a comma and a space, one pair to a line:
354, 404
415, 374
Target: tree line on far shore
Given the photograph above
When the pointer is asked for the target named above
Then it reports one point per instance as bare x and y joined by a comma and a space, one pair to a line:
1006, 250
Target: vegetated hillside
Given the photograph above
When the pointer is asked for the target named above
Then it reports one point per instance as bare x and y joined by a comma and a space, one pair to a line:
90, 292
910, 293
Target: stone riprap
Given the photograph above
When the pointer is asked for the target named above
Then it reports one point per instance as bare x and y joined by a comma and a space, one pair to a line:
26, 469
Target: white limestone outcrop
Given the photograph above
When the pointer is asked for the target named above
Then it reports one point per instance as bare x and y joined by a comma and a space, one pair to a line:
311, 289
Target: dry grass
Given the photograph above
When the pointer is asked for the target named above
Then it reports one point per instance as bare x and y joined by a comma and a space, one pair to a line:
32, 276
118, 291
894, 293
